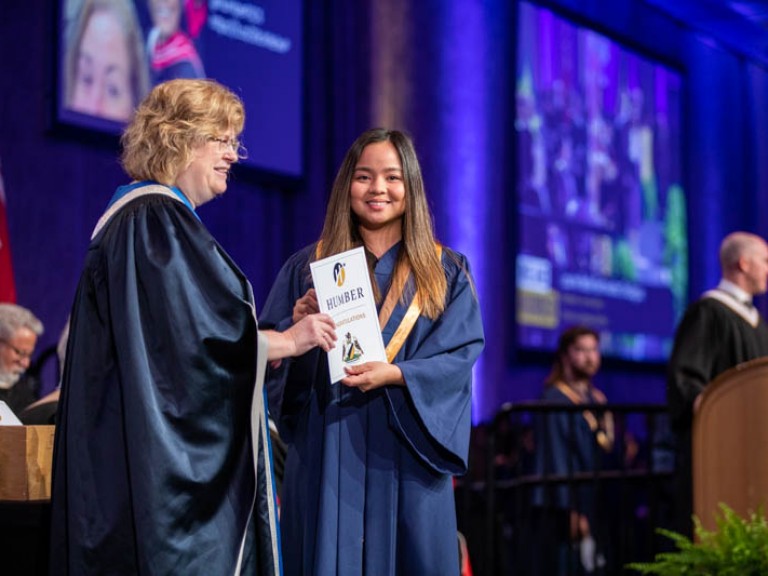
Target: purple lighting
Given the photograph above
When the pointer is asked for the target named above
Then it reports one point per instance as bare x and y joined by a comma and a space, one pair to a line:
464, 119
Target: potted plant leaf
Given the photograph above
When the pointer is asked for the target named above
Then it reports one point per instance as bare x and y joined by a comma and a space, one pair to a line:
737, 547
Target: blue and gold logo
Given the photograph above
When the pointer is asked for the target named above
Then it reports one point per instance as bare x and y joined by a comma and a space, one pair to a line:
339, 275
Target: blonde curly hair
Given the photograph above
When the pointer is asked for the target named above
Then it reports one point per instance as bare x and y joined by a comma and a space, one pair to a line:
173, 119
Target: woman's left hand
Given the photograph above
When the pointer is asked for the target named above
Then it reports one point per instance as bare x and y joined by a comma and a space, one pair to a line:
371, 375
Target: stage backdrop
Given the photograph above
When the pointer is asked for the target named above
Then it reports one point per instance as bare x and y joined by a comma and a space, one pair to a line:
445, 72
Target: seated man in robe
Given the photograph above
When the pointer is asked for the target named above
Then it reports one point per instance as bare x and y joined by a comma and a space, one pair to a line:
19, 330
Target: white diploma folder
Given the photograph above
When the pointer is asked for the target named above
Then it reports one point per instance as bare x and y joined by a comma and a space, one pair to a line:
344, 292
7, 417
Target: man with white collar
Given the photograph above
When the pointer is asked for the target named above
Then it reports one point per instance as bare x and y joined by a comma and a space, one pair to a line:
19, 329
717, 332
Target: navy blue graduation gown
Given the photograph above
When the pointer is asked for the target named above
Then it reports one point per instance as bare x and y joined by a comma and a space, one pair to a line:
155, 470
565, 445
368, 479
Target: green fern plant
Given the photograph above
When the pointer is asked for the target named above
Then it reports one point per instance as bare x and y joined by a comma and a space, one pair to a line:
737, 547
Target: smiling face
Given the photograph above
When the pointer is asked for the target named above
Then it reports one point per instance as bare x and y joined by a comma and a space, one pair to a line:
102, 80
377, 192
205, 177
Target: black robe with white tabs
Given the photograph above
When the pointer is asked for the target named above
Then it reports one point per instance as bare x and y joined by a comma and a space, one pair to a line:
155, 470
715, 334
712, 337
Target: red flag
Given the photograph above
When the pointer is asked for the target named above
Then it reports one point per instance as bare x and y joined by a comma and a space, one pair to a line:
7, 286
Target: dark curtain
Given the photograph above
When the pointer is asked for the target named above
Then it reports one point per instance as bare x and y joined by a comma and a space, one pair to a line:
443, 71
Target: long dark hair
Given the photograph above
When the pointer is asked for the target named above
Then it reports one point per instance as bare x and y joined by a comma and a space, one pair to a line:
417, 255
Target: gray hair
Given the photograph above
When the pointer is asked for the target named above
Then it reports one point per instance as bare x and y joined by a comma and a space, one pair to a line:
13, 317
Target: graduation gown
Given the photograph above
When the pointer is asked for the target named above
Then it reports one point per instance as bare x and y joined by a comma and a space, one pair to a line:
565, 445
161, 461
368, 477
715, 334
21, 394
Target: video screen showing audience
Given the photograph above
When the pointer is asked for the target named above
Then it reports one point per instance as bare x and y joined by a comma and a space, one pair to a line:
602, 209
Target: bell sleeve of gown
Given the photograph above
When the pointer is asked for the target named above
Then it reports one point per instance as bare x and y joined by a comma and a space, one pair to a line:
292, 282
154, 464
433, 410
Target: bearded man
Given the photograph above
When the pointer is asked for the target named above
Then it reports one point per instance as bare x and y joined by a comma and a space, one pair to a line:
19, 330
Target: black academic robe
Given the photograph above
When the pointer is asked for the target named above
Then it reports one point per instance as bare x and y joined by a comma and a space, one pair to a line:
713, 336
154, 468
21, 394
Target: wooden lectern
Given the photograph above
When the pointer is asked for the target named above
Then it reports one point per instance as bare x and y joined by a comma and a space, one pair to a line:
26, 455
730, 443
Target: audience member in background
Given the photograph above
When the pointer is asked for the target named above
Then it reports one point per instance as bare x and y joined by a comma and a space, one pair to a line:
570, 443
369, 473
161, 461
514, 447
106, 68
19, 330
717, 332
43, 411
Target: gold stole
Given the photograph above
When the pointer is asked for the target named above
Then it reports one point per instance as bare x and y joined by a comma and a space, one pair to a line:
604, 437
408, 321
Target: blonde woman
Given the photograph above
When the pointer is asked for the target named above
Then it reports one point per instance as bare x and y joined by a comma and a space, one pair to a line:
162, 442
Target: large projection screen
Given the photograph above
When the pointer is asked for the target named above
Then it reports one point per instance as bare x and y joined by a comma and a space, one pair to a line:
602, 233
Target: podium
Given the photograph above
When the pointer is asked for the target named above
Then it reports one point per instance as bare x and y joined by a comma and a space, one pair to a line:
26, 457
729, 443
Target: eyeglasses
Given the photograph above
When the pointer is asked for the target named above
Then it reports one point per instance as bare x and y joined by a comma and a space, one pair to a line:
20, 353
227, 143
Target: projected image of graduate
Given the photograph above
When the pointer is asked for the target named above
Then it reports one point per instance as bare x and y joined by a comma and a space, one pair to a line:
172, 52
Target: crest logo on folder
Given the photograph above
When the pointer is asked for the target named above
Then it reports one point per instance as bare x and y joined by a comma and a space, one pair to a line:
351, 351
339, 274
